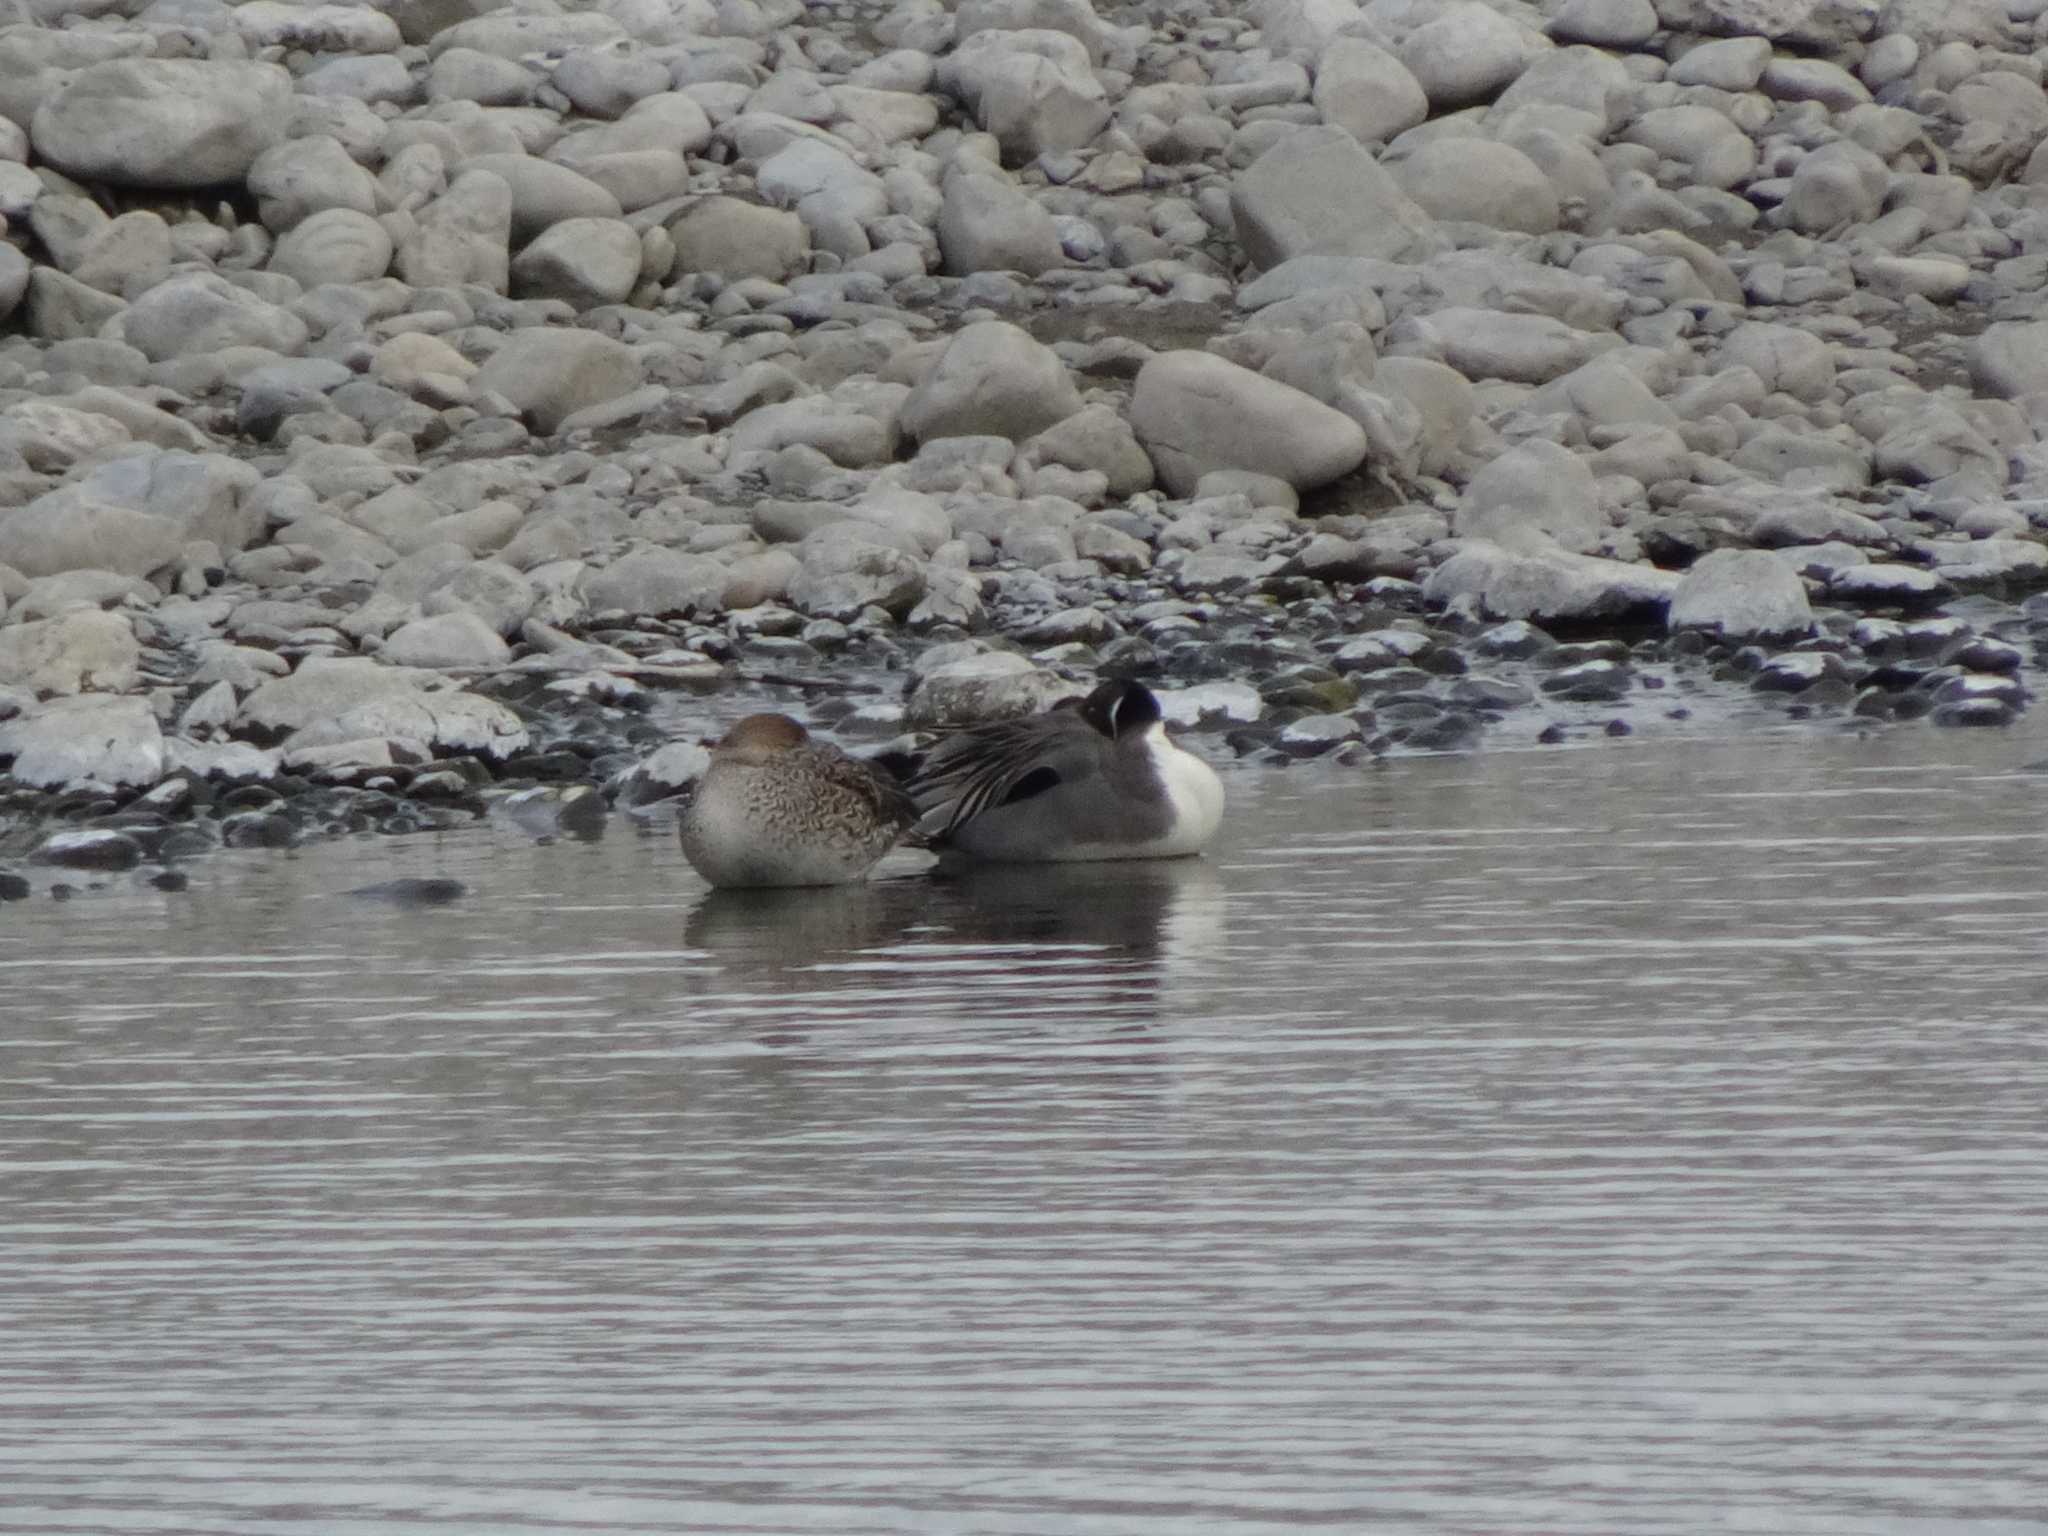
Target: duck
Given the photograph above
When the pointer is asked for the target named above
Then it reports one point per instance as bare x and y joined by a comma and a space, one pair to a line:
1095, 779
777, 807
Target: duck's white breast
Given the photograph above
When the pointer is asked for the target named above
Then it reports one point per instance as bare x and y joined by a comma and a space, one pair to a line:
1192, 789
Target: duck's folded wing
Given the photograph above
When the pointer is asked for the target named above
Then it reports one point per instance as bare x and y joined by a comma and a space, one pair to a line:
891, 801
973, 771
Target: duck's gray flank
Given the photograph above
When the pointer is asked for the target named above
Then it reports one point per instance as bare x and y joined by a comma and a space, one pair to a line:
1095, 780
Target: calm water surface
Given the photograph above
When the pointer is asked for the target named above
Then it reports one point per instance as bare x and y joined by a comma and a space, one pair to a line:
1638, 1139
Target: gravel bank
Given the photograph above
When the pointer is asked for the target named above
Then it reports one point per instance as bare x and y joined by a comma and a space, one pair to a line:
415, 412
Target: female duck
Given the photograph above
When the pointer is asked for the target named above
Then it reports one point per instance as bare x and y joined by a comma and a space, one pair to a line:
1097, 781
776, 808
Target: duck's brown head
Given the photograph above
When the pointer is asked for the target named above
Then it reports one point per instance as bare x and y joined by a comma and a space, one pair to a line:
758, 738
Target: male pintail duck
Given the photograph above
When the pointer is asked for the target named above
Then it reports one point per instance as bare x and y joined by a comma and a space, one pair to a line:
776, 808
1098, 781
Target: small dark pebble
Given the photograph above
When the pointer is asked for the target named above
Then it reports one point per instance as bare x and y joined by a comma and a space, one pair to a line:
88, 809
1450, 732
62, 892
1981, 685
1249, 739
1481, 692
249, 797
1591, 682
89, 850
171, 795
1690, 642
1580, 651
1131, 656
13, 887
184, 842
1412, 711
547, 766
1830, 693
1620, 728
583, 815
416, 891
1897, 675
1516, 640
170, 880
1391, 680
1982, 654
444, 786
474, 772
259, 829
1551, 734
1974, 712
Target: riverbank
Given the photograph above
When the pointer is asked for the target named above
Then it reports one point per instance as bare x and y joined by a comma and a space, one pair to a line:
407, 411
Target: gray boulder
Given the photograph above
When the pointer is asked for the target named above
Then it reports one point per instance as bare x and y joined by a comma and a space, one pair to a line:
446, 641
35, 60
1467, 53
1195, 412
163, 123
610, 81
545, 194
1493, 344
200, 312
988, 224
463, 236
1317, 192
61, 308
1715, 152
834, 195
1838, 185
552, 374
993, 379
1741, 594
849, 567
305, 176
990, 685
1606, 23
1034, 90
583, 262
2010, 359
1479, 181
332, 699
81, 650
128, 254
1542, 583
336, 245
738, 239
490, 589
14, 279
1094, 439
93, 739
670, 120
1366, 91
1536, 488
655, 581
65, 532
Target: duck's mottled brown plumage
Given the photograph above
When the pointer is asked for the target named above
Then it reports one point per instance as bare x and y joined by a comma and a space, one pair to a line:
778, 808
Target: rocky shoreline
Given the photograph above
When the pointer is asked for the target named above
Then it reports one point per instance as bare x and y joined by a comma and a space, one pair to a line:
416, 412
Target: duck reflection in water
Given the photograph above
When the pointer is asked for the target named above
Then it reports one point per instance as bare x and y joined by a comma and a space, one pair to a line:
1104, 941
